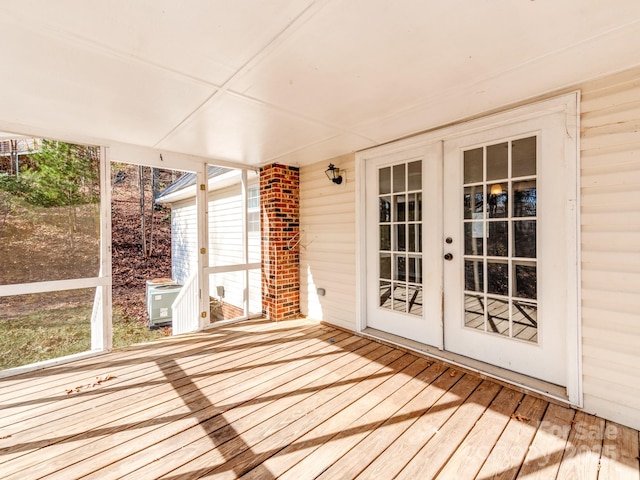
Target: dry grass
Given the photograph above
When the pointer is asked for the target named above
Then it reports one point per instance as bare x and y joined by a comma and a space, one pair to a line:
52, 333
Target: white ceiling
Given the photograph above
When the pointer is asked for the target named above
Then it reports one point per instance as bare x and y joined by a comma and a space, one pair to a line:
292, 81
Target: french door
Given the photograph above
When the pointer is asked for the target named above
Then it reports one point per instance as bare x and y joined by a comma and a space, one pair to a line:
468, 245
504, 269
403, 235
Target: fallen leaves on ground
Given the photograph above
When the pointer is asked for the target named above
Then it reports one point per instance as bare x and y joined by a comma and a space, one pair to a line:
99, 381
520, 417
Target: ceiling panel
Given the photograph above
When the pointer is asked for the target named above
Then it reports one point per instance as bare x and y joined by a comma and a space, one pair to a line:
325, 149
208, 40
297, 81
72, 89
522, 82
234, 128
359, 60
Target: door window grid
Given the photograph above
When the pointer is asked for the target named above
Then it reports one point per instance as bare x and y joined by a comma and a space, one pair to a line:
400, 246
500, 269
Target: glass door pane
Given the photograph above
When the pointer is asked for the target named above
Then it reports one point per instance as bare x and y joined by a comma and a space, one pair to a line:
499, 225
400, 237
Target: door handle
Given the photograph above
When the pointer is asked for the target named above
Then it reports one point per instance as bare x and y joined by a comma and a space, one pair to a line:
448, 256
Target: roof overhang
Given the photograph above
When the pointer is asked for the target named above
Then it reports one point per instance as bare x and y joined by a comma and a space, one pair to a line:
219, 182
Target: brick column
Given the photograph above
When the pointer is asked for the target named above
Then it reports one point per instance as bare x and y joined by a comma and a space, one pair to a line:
280, 227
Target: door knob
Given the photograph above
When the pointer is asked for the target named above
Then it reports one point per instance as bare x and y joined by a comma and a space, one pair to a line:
448, 256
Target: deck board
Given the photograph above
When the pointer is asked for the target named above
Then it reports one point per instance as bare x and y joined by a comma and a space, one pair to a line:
291, 400
435, 453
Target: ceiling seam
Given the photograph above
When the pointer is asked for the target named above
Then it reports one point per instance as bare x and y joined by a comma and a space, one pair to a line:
297, 22
87, 44
291, 113
453, 92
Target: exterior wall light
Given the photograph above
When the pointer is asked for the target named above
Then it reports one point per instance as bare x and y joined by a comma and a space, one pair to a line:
333, 174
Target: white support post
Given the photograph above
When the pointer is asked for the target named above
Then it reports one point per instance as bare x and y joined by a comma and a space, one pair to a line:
202, 210
101, 322
245, 240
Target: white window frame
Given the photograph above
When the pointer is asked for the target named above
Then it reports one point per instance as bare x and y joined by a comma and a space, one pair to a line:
101, 318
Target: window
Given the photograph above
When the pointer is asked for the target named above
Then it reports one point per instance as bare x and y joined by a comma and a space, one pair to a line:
253, 209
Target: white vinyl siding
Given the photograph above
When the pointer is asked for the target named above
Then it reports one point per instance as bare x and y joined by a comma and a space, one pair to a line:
225, 226
328, 243
184, 241
225, 245
610, 246
610, 229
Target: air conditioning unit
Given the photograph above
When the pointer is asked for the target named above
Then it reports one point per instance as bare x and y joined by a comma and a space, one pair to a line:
160, 297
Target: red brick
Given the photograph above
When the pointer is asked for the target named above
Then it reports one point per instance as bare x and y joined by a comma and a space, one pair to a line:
280, 216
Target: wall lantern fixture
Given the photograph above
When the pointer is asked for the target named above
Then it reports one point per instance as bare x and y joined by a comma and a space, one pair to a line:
496, 189
333, 174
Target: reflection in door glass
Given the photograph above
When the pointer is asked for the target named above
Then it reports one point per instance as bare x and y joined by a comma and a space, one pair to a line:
498, 161
385, 266
384, 180
500, 240
414, 175
415, 269
474, 275
473, 202
415, 300
525, 320
399, 184
473, 238
524, 238
498, 316
401, 239
399, 208
474, 311
399, 297
415, 237
401, 267
524, 198
385, 294
526, 281
415, 207
498, 278
385, 237
385, 209
497, 202
473, 166
400, 242
524, 157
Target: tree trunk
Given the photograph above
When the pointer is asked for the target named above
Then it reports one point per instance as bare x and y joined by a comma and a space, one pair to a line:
154, 192
15, 162
142, 210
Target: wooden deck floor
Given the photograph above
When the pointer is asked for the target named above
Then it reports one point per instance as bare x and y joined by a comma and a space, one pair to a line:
293, 400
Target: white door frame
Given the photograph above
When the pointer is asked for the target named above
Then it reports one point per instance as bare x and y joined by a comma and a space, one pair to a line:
569, 105
426, 328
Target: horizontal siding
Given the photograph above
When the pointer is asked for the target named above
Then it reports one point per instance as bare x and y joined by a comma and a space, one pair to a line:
225, 226
610, 230
225, 244
610, 246
184, 241
328, 244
